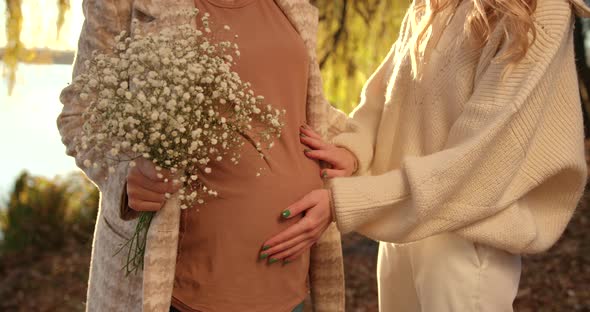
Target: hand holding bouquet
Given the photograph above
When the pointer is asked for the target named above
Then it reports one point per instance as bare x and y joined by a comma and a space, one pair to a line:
171, 98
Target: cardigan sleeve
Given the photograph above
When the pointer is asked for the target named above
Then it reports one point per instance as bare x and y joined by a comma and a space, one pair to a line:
104, 19
511, 172
360, 130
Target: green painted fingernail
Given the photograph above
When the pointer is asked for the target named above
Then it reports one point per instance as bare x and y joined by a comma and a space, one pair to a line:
287, 261
273, 260
265, 247
285, 214
324, 174
307, 150
263, 256
302, 135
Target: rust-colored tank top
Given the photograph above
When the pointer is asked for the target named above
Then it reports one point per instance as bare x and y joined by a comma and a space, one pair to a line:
218, 267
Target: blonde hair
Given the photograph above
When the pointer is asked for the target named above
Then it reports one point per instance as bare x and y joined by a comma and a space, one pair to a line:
481, 22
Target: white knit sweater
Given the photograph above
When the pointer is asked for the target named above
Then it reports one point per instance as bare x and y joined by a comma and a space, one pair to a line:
499, 162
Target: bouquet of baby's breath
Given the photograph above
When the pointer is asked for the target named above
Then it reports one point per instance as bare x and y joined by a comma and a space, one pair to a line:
172, 98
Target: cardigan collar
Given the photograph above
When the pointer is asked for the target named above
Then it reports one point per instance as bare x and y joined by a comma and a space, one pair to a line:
295, 10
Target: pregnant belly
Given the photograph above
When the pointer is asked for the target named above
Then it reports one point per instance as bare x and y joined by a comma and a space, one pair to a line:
221, 240
248, 207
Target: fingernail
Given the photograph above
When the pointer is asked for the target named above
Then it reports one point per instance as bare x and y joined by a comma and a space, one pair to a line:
302, 135
324, 174
263, 256
273, 260
307, 150
286, 213
265, 247
287, 261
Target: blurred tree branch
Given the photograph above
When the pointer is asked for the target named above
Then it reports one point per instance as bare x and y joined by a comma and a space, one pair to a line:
354, 36
15, 51
337, 34
46, 56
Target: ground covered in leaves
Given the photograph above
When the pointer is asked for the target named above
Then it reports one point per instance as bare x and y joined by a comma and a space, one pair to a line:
558, 280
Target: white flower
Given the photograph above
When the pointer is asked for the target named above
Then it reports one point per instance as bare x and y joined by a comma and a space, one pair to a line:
155, 115
200, 98
176, 113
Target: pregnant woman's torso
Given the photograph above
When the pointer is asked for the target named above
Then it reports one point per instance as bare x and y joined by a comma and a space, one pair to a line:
218, 266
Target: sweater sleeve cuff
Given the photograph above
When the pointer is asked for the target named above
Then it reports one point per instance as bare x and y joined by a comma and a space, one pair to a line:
360, 200
359, 146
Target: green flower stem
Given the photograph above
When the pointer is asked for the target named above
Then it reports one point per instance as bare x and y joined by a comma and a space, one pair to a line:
137, 243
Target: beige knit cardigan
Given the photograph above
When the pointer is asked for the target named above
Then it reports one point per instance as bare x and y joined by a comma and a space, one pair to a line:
151, 291
496, 161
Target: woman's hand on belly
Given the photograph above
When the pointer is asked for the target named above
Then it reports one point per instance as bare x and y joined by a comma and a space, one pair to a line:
299, 237
342, 162
146, 188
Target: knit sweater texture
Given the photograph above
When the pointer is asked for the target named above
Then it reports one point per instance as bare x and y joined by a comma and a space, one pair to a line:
498, 159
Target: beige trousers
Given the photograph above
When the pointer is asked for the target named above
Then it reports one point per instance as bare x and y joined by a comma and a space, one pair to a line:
446, 273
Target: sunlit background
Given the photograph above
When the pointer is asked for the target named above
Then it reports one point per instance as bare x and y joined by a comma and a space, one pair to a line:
46, 224
28, 133
47, 214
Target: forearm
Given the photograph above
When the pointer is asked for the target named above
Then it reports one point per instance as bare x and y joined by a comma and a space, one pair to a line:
104, 19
